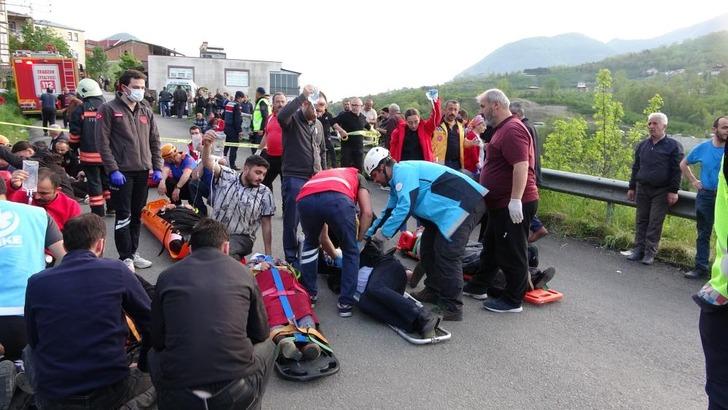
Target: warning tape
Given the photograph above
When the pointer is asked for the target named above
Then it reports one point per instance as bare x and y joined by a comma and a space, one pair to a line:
227, 144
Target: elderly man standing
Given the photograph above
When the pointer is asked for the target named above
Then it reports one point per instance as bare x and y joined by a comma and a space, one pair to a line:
653, 186
348, 124
509, 173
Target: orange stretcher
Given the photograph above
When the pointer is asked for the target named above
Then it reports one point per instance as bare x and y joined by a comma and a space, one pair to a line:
162, 229
543, 296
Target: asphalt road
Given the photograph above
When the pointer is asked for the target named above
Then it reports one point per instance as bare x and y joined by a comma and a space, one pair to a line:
625, 336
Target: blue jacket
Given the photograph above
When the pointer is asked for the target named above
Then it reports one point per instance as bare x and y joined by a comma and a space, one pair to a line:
74, 314
428, 191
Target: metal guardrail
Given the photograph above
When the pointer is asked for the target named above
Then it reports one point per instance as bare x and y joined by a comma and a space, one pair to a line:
611, 191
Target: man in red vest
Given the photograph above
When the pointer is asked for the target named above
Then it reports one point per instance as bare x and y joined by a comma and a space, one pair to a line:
48, 195
331, 197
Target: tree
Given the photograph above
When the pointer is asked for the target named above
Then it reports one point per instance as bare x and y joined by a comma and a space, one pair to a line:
505, 86
639, 129
39, 39
564, 147
551, 87
128, 62
97, 64
607, 151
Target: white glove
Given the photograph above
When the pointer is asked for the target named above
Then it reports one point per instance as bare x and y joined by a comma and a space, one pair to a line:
515, 208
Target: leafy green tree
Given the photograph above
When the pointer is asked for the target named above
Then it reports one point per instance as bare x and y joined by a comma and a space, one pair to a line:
97, 64
505, 86
564, 147
38, 39
551, 87
607, 151
127, 62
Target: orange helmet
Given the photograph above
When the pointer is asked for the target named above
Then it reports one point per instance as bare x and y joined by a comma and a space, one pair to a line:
4, 140
168, 150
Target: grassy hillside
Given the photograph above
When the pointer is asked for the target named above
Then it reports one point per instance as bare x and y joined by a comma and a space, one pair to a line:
692, 77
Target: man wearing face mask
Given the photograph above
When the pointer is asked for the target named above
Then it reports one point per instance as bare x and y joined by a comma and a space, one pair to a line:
304, 153
128, 141
239, 200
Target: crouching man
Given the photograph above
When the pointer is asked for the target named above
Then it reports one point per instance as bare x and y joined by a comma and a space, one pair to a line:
75, 318
209, 329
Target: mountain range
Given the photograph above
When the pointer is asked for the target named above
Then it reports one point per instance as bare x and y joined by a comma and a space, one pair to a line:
576, 48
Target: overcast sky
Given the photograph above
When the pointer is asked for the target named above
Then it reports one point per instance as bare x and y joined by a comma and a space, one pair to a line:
375, 46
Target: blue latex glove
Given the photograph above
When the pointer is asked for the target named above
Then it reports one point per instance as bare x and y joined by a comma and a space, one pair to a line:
117, 178
156, 176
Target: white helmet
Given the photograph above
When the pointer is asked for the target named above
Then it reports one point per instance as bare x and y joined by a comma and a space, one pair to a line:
88, 87
374, 158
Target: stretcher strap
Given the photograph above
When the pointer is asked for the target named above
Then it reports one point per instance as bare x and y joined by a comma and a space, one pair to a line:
282, 296
276, 292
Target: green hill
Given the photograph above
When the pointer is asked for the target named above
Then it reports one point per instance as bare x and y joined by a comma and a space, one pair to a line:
692, 77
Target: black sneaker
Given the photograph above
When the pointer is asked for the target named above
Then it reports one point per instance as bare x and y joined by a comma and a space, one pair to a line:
543, 277
344, 310
696, 274
648, 259
428, 329
475, 291
635, 255
426, 295
417, 275
500, 305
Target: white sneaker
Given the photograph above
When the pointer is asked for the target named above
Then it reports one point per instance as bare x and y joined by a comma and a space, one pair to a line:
140, 262
129, 264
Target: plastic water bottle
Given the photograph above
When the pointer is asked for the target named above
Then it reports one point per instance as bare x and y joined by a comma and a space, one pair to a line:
432, 94
31, 183
219, 143
314, 96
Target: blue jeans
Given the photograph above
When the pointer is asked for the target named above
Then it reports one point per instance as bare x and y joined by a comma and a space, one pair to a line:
164, 108
339, 212
705, 214
536, 224
290, 187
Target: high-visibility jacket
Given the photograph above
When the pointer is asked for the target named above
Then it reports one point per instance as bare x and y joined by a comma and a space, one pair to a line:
343, 180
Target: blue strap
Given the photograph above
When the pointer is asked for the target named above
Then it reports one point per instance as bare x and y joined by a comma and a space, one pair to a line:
285, 304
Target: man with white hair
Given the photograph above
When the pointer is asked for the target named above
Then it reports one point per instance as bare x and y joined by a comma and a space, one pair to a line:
349, 124
653, 186
390, 125
512, 200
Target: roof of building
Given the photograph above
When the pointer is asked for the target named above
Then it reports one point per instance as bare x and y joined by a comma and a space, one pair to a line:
57, 25
156, 49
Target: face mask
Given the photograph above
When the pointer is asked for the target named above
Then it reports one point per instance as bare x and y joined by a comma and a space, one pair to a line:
135, 94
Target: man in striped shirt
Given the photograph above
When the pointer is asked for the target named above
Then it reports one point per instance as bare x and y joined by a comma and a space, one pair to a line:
239, 199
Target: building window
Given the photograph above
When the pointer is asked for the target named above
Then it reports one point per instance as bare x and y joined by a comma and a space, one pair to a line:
75, 37
183, 73
236, 78
70, 36
286, 83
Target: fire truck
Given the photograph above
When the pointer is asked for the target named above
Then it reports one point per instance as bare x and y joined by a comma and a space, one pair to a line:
36, 71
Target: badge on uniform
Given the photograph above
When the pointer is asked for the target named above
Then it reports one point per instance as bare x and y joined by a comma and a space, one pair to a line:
398, 187
118, 114
99, 116
143, 119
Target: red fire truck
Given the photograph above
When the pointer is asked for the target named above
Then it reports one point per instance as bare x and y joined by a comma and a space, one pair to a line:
36, 71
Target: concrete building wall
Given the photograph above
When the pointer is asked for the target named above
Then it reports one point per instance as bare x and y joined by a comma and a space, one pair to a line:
211, 73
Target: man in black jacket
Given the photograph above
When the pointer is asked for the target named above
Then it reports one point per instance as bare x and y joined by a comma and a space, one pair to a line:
304, 154
180, 101
209, 329
165, 97
233, 127
653, 186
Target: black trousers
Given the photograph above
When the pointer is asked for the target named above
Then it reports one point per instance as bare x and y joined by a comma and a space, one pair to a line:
245, 393
713, 333
442, 259
13, 336
128, 201
384, 300
651, 211
49, 117
274, 170
505, 246
352, 157
98, 187
231, 152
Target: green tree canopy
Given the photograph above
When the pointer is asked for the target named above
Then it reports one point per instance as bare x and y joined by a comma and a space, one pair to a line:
38, 39
97, 64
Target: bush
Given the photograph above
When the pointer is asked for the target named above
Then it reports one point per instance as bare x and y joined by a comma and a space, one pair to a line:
9, 112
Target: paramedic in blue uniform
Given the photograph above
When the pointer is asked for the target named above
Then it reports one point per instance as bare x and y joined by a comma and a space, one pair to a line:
447, 203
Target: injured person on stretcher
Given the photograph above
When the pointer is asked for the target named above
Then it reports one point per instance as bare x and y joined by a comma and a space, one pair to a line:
380, 293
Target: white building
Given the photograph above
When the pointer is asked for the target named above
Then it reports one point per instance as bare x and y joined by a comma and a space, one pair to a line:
75, 38
223, 74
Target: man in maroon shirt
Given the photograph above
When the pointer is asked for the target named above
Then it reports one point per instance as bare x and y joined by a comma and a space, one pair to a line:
512, 200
